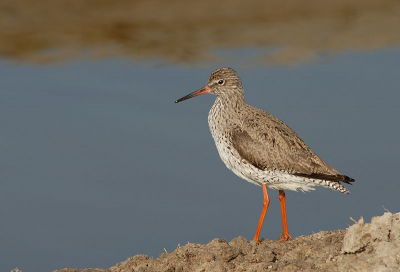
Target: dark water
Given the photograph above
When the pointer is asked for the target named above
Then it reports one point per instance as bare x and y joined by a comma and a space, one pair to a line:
99, 164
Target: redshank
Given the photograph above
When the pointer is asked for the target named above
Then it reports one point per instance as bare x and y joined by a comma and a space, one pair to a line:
262, 149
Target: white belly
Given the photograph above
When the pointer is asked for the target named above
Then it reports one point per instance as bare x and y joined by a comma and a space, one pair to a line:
279, 180
274, 179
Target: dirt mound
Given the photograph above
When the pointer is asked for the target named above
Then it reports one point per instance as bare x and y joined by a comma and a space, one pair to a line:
362, 247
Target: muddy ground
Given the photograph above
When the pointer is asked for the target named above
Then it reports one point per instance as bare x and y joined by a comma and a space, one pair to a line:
363, 246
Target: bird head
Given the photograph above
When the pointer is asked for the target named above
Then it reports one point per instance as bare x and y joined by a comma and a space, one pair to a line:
224, 83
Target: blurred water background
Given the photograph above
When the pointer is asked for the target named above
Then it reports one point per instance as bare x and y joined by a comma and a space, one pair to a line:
98, 164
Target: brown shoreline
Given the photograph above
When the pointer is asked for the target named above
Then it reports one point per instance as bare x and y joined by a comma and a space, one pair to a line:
363, 246
191, 32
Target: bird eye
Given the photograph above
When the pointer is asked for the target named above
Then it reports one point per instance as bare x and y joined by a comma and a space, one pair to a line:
220, 82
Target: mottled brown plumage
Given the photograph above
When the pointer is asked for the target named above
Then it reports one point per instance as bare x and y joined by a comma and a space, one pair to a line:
261, 148
269, 144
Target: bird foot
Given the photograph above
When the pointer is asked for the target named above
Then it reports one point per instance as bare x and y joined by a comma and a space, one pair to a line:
285, 236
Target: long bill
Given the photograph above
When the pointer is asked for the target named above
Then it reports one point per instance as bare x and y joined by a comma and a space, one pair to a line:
203, 90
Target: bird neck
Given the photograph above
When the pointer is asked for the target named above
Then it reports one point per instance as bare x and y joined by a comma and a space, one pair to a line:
230, 101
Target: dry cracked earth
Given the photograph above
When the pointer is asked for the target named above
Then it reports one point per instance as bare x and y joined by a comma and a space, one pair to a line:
363, 246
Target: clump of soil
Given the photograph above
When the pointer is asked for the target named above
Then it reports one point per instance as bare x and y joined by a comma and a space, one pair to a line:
373, 246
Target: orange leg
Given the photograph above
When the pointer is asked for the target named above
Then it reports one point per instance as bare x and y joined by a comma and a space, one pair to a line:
264, 211
285, 234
